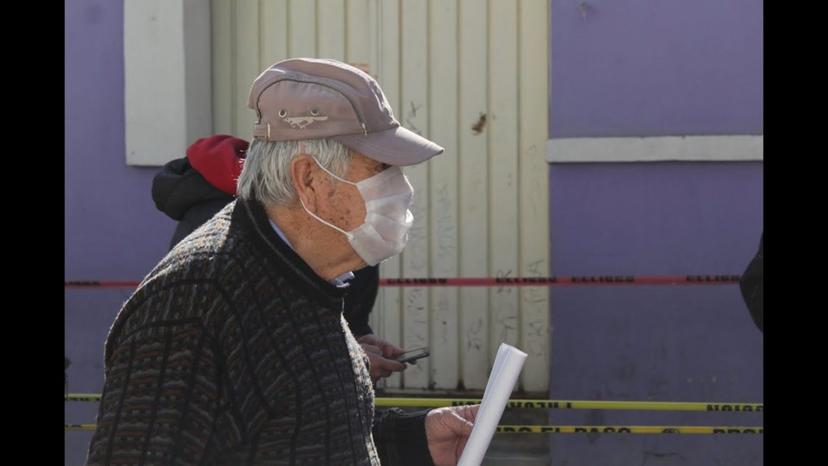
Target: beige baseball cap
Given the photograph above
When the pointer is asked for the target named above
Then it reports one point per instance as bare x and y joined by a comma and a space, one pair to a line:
310, 98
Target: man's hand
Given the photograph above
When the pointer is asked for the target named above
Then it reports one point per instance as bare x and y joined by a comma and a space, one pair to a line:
381, 353
447, 430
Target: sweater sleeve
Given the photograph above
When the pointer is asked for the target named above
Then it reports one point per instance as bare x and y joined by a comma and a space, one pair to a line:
400, 437
160, 399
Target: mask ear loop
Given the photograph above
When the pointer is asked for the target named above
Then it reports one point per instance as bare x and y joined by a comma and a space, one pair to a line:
331, 173
350, 236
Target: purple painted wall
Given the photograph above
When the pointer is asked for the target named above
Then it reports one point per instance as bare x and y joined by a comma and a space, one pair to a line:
663, 343
112, 229
655, 67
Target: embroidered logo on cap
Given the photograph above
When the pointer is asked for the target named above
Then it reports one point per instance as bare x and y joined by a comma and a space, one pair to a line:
302, 121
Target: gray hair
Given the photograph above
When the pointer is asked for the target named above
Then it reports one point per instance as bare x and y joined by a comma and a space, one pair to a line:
266, 172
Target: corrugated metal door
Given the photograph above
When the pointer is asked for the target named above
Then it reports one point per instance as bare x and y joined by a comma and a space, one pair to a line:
471, 75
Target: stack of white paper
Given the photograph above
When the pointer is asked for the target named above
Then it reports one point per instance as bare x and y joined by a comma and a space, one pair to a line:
502, 380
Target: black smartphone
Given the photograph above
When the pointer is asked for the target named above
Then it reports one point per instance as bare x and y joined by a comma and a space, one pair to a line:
413, 355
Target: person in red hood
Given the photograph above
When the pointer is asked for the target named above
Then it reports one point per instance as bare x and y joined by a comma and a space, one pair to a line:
192, 189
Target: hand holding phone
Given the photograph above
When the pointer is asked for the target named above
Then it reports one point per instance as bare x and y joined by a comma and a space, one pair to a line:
412, 356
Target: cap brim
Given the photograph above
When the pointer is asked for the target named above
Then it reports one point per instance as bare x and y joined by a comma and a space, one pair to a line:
395, 146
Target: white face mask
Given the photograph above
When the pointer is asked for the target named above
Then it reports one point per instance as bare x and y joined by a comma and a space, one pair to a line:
388, 196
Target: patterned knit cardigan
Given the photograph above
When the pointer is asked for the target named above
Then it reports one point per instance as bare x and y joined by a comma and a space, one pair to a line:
233, 351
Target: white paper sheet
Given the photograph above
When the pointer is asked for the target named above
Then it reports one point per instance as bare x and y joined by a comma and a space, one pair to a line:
502, 380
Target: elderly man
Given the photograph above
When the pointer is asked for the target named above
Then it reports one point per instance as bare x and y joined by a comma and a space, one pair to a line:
234, 350
194, 188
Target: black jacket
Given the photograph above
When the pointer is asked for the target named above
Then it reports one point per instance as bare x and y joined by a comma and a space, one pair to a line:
752, 286
184, 195
360, 299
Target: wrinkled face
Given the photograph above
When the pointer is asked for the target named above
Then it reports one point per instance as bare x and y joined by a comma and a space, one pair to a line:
341, 203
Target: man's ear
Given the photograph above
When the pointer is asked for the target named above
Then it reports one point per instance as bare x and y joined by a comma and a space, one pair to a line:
303, 174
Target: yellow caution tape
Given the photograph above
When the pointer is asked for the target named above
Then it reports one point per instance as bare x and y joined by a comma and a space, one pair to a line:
631, 429
529, 429
80, 426
82, 397
539, 404
578, 404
